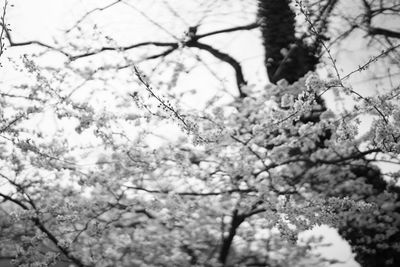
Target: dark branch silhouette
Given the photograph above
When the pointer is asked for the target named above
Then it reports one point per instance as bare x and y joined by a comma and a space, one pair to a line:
240, 81
236, 221
233, 29
172, 46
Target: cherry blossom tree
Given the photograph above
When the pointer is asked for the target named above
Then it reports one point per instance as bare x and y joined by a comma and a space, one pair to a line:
240, 179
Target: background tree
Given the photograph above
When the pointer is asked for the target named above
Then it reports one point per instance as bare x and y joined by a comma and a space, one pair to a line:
289, 57
231, 167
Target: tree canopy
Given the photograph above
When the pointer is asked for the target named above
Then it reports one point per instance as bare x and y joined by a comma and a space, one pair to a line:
171, 149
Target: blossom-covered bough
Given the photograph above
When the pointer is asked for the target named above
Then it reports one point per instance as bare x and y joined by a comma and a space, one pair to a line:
235, 188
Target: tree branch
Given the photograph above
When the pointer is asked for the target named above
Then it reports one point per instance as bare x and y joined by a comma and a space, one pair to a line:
124, 48
34, 42
193, 42
384, 32
369, 15
92, 11
193, 193
240, 81
49, 235
238, 28
54, 239
237, 219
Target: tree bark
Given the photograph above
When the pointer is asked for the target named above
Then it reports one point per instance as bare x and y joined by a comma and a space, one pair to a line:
237, 220
288, 57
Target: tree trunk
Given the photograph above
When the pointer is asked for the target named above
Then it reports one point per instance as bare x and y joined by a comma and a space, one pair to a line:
288, 57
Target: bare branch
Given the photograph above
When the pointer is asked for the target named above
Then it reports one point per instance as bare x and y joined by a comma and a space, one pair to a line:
365, 65
193, 42
92, 11
124, 48
240, 81
384, 32
238, 28
192, 193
